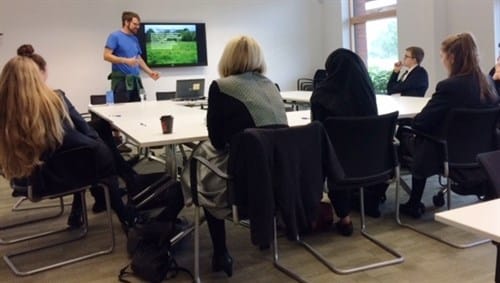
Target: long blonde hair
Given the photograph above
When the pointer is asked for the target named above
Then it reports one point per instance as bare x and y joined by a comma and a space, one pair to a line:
31, 118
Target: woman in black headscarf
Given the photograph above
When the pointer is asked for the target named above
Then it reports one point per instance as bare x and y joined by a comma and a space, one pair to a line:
346, 91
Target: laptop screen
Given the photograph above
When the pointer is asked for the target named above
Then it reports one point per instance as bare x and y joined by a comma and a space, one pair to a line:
190, 89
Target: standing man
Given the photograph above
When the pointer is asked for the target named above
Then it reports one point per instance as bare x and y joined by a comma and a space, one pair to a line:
414, 81
123, 51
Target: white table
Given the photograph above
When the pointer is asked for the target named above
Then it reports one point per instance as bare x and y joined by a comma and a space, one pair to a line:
482, 218
140, 121
407, 106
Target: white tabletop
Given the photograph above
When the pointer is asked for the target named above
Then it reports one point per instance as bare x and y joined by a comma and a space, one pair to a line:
407, 106
482, 218
141, 121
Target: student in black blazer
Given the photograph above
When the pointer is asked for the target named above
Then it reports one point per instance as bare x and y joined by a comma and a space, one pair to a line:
414, 81
466, 87
495, 74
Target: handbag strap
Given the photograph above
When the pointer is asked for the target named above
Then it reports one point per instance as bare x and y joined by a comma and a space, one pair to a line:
123, 273
173, 267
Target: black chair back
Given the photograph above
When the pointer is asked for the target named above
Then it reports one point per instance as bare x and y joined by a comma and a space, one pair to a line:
364, 145
55, 176
165, 95
490, 163
469, 132
96, 99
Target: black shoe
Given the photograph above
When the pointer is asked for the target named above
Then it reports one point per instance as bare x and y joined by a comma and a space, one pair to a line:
124, 149
75, 218
223, 263
133, 160
100, 201
344, 229
415, 211
98, 207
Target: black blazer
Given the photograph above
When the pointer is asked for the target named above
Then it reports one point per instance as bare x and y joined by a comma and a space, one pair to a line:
496, 82
59, 174
415, 84
456, 92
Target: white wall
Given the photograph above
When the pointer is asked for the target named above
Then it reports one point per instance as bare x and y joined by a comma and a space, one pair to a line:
426, 23
70, 34
296, 35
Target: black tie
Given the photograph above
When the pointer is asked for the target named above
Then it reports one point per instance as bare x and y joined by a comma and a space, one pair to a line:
403, 76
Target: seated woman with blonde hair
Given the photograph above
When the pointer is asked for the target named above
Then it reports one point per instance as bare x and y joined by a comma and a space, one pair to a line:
38, 122
242, 98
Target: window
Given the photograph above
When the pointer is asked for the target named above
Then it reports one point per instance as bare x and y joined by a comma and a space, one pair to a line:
375, 37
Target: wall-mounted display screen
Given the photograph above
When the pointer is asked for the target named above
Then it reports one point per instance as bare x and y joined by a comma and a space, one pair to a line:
173, 44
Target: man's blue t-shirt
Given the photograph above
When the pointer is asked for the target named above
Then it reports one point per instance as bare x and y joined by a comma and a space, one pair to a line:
124, 45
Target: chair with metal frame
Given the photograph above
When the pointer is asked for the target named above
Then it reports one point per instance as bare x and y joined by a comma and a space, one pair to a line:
467, 133
490, 163
305, 84
308, 142
37, 190
94, 99
367, 152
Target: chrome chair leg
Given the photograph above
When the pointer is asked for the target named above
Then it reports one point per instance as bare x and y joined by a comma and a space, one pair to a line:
433, 236
8, 258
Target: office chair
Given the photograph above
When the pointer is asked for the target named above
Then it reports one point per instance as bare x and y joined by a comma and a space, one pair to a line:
287, 174
309, 84
165, 95
367, 153
305, 84
61, 184
467, 133
490, 163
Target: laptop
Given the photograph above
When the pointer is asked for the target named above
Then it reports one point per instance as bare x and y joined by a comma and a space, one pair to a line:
192, 89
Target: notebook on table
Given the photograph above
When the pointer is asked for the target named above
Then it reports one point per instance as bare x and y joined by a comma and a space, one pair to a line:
191, 89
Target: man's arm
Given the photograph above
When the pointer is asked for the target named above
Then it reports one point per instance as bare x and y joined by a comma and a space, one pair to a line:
145, 68
110, 57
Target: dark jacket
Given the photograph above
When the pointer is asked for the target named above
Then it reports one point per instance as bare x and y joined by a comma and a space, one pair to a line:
496, 82
283, 170
347, 89
71, 171
415, 84
455, 92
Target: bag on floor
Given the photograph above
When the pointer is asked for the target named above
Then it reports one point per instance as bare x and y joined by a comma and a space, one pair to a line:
149, 247
155, 193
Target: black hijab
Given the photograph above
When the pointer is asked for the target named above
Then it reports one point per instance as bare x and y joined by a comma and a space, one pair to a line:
347, 89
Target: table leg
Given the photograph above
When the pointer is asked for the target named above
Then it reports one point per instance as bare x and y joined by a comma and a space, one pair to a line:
171, 158
497, 271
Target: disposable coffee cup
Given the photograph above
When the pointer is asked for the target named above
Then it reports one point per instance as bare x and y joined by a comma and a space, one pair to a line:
167, 123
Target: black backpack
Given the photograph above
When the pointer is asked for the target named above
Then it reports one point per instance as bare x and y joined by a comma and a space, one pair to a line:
148, 245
